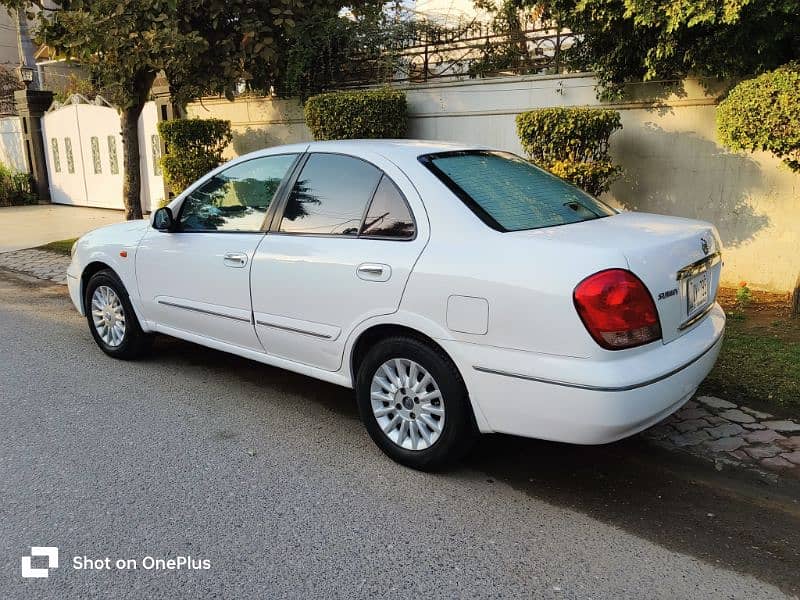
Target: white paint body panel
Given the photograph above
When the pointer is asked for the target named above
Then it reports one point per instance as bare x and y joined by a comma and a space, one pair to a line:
184, 284
500, 304
311, 284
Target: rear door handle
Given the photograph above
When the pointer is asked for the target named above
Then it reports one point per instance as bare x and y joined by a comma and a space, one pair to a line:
374, 272
235, 259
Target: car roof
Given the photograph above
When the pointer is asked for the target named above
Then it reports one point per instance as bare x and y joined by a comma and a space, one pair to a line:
405, 149
408, 148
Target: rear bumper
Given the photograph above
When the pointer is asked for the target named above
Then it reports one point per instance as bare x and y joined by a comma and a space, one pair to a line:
585, 401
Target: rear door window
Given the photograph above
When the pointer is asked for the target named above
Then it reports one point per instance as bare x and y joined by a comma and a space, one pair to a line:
388, 215
330, 196
510, 194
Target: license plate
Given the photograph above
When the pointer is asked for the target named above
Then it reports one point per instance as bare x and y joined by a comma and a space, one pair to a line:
697, 293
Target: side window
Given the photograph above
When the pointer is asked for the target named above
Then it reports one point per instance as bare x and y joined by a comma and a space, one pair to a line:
236, 199
388, 215
330, 196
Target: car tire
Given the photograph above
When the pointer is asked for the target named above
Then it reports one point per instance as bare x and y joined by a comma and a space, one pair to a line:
417, 443
111, 318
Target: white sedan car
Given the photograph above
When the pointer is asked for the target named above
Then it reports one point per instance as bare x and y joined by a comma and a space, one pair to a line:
458, 290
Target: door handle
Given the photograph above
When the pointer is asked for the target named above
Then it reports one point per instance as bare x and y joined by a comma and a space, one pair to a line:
374, 272
235, 259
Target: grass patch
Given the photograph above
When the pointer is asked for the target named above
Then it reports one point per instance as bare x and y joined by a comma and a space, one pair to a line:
759, 365
60, 246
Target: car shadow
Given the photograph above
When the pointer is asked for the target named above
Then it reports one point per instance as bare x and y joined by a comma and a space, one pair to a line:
672, 499
334, 398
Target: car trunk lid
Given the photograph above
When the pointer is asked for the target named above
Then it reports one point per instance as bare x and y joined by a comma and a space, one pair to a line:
677, 259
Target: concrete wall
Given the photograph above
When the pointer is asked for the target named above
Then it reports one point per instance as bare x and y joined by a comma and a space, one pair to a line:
668, 147
256, 122
12, 153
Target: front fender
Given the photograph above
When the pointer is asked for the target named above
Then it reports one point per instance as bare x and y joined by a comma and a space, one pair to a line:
113, 247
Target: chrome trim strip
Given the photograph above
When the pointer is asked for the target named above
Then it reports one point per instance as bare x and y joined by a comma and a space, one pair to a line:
205, 312
323, 336
692, 320
600, 388
698, 266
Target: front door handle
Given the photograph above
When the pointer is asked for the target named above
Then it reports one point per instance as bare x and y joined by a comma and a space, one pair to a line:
235, 259
374, 272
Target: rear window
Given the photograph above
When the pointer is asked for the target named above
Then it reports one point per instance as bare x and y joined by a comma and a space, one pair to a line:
510, 194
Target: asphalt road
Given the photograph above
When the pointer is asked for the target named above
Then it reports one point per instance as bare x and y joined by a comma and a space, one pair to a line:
271, 478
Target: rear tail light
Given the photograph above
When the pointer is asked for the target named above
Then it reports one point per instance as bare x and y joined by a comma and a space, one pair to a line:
617, 309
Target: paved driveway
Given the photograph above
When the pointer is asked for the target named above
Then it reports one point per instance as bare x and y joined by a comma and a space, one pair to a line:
29, 226
271, 477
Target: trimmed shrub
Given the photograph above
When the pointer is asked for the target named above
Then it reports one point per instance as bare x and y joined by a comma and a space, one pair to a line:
15, 188
193, 148
572, 143
357, 115
764, 114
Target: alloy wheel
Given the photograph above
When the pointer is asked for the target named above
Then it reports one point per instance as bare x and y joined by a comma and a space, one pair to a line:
407, 404
108, 316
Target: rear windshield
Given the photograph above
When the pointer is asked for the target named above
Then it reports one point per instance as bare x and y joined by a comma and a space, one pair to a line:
510, 194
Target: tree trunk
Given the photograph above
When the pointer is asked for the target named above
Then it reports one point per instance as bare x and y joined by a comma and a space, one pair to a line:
132, 178
796, 298
518, 38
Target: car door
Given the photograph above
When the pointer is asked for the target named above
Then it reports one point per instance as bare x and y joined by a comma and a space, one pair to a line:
339, 252
196, 279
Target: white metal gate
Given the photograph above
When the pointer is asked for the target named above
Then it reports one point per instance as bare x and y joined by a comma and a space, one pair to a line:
84, 154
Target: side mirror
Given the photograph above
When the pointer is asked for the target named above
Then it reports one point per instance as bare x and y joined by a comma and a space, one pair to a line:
163, 220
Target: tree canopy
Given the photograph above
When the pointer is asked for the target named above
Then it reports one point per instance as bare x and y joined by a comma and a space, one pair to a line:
635, 40
203, 47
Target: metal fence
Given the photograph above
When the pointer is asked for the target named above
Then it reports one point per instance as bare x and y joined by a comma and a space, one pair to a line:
352, 53
419, 52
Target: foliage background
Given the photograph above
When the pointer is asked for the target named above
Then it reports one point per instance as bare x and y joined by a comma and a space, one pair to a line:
357, 114
572, 143
764, 114
626, 41
15, 188
193, 148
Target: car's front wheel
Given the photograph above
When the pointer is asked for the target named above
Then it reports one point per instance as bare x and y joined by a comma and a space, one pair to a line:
112, 321
414, 403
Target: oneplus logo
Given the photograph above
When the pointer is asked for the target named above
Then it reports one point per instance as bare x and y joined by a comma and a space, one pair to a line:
51, 552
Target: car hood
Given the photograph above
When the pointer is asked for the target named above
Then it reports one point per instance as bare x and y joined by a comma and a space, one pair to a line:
126, 233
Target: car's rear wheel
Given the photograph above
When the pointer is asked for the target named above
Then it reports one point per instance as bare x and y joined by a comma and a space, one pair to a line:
414, 403
113, 323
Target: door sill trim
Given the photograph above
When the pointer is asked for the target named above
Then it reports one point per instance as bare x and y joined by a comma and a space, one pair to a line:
204, 311
323, 336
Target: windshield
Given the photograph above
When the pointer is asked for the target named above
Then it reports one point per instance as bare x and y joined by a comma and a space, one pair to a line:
510, 194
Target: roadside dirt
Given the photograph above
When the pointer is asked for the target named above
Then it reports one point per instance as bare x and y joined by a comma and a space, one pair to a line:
766, 312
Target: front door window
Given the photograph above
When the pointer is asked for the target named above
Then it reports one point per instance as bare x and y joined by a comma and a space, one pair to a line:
236, 199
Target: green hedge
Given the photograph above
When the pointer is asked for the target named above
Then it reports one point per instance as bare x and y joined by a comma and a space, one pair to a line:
572, 143
357, 115
15, 188
764, 114
193, 148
